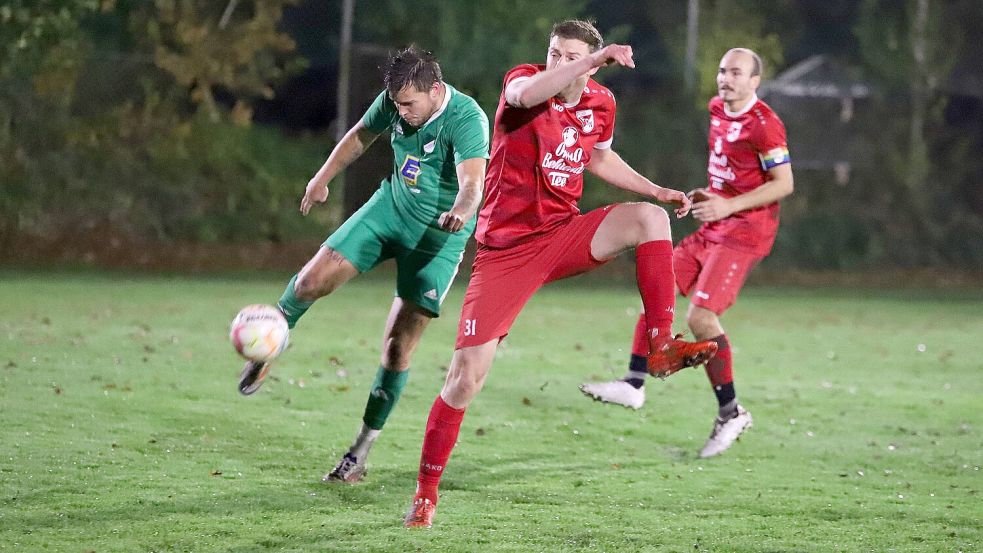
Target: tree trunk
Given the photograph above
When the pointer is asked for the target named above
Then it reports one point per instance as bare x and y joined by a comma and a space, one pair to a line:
917, 148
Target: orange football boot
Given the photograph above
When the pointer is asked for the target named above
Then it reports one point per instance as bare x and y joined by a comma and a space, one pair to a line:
420, 514
675, 354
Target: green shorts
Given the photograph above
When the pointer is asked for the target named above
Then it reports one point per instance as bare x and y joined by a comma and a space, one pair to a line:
427, 258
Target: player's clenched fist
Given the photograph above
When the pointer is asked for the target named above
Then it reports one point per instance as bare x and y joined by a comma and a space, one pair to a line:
450, 222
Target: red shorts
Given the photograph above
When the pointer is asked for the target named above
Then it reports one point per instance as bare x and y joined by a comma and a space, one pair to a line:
503, 279
710, 274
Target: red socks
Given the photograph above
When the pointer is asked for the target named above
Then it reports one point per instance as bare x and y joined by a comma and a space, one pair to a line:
640, 342
443, 426
719, 368
657, 284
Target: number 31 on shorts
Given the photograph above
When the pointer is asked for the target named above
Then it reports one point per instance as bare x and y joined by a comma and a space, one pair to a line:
469, 326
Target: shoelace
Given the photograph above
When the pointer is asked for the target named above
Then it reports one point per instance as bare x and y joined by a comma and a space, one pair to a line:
347, 464
718, 425
420, 509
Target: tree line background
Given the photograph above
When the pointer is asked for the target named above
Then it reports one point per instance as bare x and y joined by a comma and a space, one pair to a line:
191, 121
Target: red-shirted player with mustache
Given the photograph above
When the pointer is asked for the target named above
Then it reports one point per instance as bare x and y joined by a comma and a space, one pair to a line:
553, 123
748, 172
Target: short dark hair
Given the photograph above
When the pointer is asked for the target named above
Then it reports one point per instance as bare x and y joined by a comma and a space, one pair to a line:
579, 29
411, 66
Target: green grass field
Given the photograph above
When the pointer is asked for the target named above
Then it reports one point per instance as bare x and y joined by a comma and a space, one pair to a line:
121, 428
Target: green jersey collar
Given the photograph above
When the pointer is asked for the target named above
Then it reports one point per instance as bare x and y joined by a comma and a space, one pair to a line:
447, 100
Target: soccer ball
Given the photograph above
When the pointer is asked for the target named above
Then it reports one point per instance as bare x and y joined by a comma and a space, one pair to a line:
259, 332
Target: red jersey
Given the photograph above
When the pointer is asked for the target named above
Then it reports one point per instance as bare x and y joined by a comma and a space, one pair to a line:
538, 157
743, 147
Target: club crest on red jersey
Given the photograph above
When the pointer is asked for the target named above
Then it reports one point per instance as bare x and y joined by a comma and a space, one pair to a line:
734, 131
586, 118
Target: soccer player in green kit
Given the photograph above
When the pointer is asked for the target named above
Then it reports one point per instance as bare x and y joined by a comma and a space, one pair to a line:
422, 215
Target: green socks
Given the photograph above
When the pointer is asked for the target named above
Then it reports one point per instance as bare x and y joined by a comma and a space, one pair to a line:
292, 307
383, 397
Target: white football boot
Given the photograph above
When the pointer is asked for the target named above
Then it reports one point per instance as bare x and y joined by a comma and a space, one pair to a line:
726, 432
616, 391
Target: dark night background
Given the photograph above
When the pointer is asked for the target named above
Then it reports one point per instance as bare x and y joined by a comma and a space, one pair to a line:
179, 129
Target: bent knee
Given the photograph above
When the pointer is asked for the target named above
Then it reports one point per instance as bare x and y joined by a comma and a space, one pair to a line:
307, 287
653, 217
464, 382
462, 389
647, 222
701, 320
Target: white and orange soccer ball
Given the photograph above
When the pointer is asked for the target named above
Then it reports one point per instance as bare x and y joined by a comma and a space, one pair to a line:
259, 332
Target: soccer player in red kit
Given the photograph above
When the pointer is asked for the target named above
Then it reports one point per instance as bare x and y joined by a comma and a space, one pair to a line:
553, 122
749, 171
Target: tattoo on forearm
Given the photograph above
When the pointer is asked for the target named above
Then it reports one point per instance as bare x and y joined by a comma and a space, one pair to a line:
334, 256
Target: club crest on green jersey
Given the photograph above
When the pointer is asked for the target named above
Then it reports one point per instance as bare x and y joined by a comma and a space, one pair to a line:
410, 170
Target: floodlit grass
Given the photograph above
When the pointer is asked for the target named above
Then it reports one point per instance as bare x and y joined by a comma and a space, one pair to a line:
121, 428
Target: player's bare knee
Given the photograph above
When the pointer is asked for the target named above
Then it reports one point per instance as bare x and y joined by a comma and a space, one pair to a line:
695, 318
703, 322
307, 287
466, 384
643, 222
653, 222
464, 380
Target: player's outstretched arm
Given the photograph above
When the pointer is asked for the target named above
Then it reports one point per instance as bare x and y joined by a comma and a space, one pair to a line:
710, 207
609, 166
471, 182
352, 145
532, 91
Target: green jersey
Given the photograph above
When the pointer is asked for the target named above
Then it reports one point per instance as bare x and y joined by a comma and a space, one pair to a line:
423, 183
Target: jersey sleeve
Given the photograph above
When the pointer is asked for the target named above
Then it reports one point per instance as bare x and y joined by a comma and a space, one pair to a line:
523, 71
379, 116
607, 131
470, 137
770, 143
